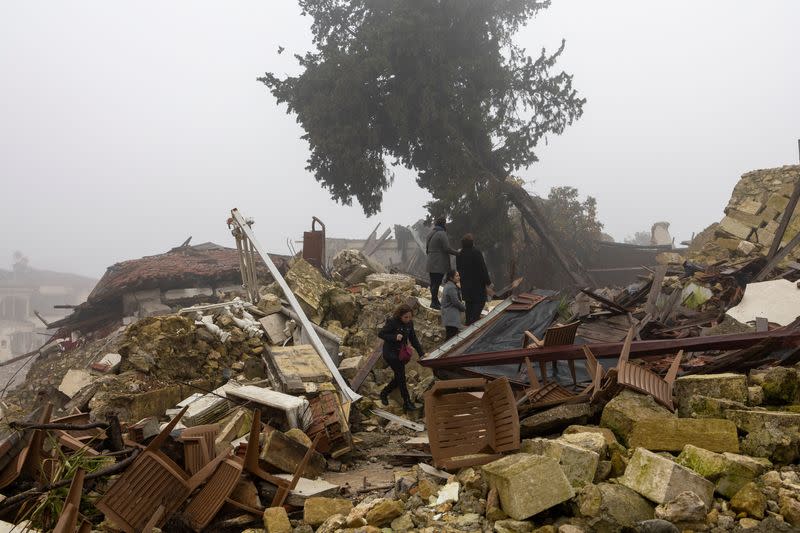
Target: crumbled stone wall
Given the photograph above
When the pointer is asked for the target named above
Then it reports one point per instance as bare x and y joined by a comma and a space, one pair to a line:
752, 217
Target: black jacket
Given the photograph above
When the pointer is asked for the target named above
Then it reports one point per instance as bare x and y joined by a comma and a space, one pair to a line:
391, 346
474, 274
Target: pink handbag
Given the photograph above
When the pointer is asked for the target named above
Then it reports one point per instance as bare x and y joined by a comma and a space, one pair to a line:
405, 353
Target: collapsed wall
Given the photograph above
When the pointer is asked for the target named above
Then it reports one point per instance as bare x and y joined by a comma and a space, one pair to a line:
752, 217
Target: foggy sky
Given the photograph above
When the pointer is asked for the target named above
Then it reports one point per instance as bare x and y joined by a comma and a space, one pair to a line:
125, 127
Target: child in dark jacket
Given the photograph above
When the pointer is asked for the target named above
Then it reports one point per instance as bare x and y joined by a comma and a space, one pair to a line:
397, 332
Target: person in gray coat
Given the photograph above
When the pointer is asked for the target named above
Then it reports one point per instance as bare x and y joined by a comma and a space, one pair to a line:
439, 252
452, 306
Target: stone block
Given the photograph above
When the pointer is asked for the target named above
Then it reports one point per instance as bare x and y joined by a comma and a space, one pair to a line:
725, 386
755, 395
552, 420
750, 500
751, 420
777, 202
626, 408
661, 480
733, 227
527, 484
764, 237
588, 440
746, 247
707, 407
383, 512
611, 507
781, 385
749, 206
671, 435
578, 464
747, 219
729, 472
349, 367
318, 510
276, 520
687, 507
607, 434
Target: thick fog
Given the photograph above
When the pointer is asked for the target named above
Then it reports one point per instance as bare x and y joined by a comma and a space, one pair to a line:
125, 127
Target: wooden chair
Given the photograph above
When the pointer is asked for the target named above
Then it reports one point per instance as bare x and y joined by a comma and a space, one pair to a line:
207, 503
152, 480
557, 335
198, 446
467, 429
639, 378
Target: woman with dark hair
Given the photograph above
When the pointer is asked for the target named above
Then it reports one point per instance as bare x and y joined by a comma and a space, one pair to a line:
475, 280
397, 334
452, 306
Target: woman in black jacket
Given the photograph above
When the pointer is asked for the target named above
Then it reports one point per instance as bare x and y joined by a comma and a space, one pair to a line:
399, 331
475, 280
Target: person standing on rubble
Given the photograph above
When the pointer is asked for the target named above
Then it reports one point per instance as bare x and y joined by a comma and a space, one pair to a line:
439, 252
397, 334
475, 280
452, 306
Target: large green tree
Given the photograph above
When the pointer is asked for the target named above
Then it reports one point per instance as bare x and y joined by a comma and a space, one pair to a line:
438, 86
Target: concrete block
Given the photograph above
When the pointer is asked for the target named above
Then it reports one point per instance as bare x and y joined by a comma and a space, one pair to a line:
671, 435
726, 386
661, 480
527, 484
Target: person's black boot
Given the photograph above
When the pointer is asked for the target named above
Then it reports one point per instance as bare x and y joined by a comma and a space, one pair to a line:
408, 405
384, 397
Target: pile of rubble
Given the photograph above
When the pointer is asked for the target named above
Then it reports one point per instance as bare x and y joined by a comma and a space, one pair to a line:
752, 218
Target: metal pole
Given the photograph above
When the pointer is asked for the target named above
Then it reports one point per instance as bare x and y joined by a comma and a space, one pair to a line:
304, 321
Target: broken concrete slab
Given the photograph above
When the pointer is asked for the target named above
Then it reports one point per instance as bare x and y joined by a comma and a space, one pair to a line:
628, 407
725, 386
578, 464
291, 408
527, 484
74, 380
661, 480
673, 434
308, 488
286, 454
300, 362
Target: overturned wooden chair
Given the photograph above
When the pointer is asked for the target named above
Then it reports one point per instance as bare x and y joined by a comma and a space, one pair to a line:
30, 458
558, 335
640, 379
152, 480
198, 446
552, 393
471, 421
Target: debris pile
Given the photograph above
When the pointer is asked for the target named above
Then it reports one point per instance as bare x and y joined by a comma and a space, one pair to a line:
753, 219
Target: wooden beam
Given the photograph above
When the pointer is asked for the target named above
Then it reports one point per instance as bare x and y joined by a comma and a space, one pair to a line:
770, 266
787, 215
